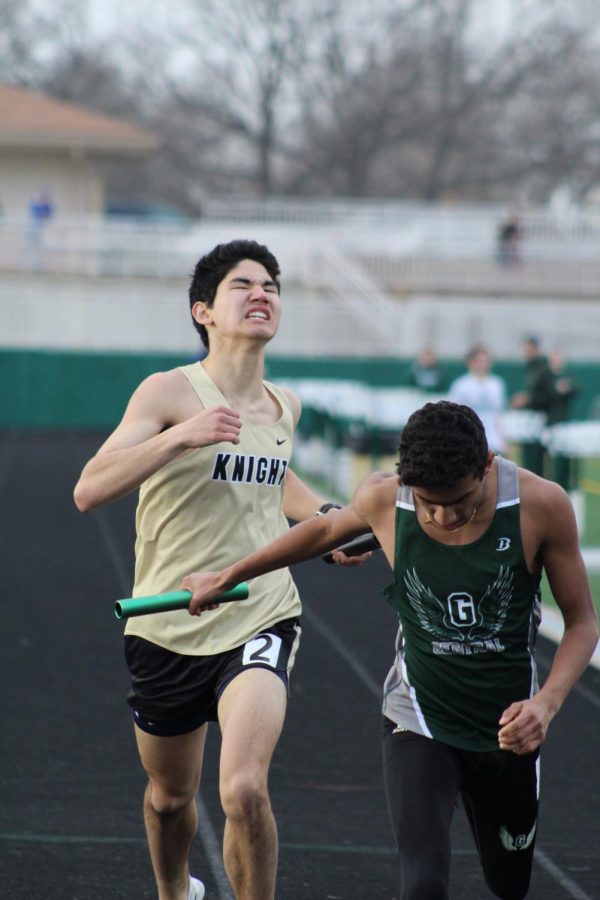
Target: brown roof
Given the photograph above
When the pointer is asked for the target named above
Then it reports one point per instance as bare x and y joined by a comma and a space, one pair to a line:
35, 121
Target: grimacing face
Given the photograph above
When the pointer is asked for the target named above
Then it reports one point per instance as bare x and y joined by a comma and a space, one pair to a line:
246, 304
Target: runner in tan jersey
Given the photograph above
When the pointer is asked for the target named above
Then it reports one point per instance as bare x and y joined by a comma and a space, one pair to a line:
195, 507
209, 447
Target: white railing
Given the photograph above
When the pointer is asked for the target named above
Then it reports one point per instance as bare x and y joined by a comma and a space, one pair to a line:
361, 410
92, 246
353, 289
360, 295
406, 246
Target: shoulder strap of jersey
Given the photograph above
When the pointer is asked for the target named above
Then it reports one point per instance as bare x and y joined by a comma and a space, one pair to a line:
404, 497
508, 483
207, 391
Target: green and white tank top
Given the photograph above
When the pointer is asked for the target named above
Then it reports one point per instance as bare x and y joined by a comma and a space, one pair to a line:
208, 508
468, 621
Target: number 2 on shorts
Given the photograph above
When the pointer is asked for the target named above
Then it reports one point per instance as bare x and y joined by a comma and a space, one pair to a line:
264, 648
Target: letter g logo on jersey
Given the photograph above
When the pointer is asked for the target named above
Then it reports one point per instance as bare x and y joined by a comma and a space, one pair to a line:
520, 842
461, 609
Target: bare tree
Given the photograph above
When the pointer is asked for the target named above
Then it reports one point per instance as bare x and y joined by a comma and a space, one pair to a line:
405, 98
351, 107
439, 105
30, 36
235, 80
553, 118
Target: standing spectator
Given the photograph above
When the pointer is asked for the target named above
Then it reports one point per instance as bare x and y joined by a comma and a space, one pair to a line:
426, 373
538, 395
41, 211
566, 389
483, 392
510, 234
41, 208
564, 470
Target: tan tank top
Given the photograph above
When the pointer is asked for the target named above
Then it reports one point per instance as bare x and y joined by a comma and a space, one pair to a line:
204, 510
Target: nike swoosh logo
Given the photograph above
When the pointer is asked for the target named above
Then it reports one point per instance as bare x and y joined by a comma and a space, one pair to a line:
279, 443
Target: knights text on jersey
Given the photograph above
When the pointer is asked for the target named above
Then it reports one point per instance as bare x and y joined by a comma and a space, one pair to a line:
468, 622
204, 510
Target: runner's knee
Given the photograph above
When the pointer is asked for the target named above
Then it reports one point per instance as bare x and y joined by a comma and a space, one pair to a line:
243, 795
166, 801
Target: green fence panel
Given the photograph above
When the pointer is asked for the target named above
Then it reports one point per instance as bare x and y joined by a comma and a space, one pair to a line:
54, 389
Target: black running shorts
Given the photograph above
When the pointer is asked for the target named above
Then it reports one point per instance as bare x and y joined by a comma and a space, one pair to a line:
173, 694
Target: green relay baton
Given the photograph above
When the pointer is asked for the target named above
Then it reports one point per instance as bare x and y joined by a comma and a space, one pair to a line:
141, 606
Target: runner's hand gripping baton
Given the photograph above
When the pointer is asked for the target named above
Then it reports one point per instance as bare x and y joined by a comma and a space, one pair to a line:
361, 544
140, 606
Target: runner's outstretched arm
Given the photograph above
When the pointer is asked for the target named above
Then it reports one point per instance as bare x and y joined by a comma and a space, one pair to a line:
304, 541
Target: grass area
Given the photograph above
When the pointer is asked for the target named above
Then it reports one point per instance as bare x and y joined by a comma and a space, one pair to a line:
594, 584
590, 483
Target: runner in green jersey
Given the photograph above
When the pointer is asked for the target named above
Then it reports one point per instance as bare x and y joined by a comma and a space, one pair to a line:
467, 536
469, 615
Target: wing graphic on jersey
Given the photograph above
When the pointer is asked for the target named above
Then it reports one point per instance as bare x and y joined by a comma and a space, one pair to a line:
520, 842
493, 606
431, 612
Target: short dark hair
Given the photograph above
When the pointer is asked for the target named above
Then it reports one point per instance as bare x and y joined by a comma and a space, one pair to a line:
475, 350
212, 268
440, 444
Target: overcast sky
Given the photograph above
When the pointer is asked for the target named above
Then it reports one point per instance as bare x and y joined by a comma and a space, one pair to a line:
107, 15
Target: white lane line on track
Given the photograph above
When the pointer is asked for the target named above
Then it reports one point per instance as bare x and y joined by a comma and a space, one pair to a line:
572, 889
206, 831
331, 637
114, 552
544, 662
28, 837
212, 847
552, 627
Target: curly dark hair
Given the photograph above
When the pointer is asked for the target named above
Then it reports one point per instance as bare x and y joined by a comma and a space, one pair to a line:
212, 268
440, 444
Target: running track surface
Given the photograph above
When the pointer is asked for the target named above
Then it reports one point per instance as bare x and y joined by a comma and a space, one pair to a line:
71, 785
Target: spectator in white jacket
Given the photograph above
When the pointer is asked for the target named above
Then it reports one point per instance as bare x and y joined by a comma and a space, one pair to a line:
483, 392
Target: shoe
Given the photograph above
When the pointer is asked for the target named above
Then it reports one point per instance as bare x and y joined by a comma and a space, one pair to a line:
197, 889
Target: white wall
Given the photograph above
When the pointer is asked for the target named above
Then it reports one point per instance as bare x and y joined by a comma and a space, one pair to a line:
71, 179
109, 313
